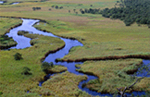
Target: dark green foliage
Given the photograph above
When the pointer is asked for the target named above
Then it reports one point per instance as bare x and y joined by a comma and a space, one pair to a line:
46, 66
57, 7
1, 93
18, 56
6, 42
22, 32
53, 6
74, 10
82, 12
130, 11
36, 8
43, 0
26, 71
92, 11
61, 7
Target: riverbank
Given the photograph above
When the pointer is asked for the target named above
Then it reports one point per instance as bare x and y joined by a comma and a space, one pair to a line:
102, 38
6, 42
31, 59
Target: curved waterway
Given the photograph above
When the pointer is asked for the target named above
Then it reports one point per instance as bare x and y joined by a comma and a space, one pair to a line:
24, 42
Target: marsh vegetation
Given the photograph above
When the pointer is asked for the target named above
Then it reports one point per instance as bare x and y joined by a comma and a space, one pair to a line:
103, 38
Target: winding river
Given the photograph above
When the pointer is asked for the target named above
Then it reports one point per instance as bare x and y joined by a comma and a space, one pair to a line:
24, 42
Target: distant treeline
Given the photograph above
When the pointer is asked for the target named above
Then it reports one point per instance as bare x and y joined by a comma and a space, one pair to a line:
129, 11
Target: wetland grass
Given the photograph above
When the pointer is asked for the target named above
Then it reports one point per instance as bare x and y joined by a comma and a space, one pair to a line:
102, 38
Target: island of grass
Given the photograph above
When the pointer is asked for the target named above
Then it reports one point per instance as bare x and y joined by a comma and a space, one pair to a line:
113, 74
5, 41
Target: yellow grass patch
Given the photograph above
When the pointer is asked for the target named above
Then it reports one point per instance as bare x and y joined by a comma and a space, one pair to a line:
65, 84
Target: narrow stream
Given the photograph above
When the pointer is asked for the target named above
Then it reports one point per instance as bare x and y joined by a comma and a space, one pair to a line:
24, 42
1, 2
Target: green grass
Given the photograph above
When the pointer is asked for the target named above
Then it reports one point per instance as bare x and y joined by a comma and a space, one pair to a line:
66, 84
11, 77
102, 37
112, 74
6, 42
5, 26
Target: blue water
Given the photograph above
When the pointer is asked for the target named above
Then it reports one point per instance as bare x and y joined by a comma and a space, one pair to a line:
24, 42
15, 3
1, 2
143, 71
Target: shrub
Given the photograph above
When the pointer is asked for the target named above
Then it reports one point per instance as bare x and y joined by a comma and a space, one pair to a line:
1, 93
26, 71
18, 56
46, 66
36, 8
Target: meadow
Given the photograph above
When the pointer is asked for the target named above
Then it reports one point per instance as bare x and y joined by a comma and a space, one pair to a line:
12, 82
102, 38
113, 74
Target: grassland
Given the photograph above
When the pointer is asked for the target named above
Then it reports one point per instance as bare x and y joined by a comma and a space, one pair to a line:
113, 74
12, 82
102, 38
6, 42
66, 84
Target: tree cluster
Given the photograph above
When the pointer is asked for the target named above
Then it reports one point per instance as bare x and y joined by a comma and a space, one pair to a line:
90, 10
57, 7
46, 66
36, 8
130, 11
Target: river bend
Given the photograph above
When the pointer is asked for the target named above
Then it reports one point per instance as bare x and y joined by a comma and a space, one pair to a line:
24, 42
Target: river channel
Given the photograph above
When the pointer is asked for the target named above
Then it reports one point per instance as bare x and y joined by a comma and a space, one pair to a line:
24, 42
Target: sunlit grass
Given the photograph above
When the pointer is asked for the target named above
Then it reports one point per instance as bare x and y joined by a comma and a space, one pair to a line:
101, 37
6, 42
13, 83
66, 84
113, 74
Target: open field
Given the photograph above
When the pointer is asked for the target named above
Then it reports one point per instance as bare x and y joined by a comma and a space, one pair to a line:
102, 38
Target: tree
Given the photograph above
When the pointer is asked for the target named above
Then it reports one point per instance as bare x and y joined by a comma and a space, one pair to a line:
144, 70
18, 56
26, 71
82, 12
56, 7
61, 7
46, 66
